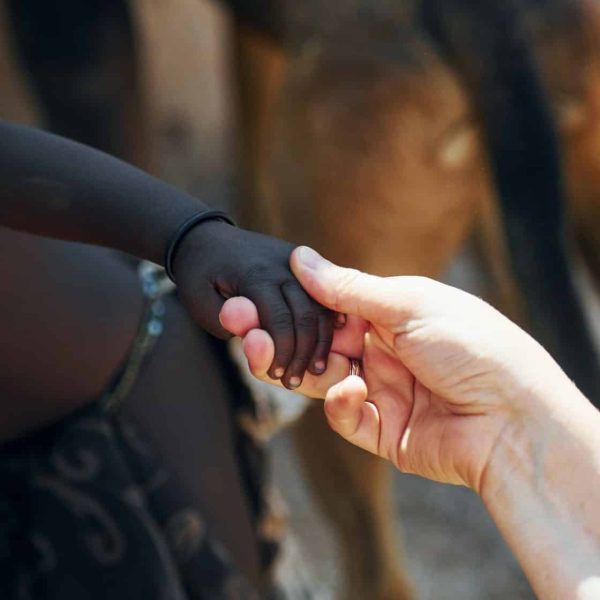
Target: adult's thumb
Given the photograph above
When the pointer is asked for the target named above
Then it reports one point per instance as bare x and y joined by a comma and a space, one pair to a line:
343, 290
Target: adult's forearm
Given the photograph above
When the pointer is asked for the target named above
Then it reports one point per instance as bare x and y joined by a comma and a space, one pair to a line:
543, 490
58, 188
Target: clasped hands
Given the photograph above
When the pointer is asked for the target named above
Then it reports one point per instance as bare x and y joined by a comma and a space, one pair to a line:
446, 378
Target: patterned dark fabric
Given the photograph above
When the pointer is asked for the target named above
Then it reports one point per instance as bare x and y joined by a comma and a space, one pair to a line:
87, 513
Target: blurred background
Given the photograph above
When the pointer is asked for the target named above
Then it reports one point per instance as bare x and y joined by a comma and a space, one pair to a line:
159, 83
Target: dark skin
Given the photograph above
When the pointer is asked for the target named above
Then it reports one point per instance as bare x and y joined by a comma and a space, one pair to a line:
57, 188
73, 312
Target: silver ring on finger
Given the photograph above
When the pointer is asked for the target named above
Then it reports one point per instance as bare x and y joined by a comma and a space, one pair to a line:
355, 368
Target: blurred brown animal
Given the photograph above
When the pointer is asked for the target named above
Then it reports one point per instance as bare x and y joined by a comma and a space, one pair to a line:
364, 135
366, 139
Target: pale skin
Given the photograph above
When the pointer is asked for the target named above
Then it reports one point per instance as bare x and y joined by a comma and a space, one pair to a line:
455, 392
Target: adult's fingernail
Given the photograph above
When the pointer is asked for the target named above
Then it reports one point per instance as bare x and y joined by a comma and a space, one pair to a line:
295, 382
319, 366
311, 259
279, 373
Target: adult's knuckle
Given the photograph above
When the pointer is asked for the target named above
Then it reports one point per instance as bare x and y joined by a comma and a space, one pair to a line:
346, 286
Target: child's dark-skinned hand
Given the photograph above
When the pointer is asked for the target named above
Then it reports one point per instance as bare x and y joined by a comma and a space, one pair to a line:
57, 188
216, 261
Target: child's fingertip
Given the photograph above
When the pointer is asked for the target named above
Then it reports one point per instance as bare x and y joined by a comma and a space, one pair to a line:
319, 367
340, 320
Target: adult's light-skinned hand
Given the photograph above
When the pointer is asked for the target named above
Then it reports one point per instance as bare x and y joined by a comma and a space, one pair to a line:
443, 370
455, 392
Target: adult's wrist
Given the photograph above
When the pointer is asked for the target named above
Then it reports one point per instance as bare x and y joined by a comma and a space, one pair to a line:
541, 488
537, 424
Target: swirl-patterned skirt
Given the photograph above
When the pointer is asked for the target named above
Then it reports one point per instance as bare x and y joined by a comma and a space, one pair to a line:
87, 513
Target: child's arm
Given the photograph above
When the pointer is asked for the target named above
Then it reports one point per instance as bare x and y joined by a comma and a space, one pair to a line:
58, 188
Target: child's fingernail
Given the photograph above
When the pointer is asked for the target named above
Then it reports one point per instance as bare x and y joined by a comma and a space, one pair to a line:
295, 382
279, 373
319, 366
311, 259
340, 320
